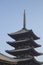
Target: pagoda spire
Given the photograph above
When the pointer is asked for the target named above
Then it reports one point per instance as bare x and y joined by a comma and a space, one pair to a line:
24, 21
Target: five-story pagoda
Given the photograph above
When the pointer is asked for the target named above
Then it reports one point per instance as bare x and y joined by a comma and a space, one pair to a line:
24, 45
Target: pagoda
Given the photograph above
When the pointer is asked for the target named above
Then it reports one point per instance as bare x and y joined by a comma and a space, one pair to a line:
24, 45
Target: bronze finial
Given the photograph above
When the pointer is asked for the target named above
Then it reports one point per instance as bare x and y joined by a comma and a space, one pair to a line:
24, 21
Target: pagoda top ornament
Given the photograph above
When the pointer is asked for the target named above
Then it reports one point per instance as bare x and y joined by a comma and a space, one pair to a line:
24, 22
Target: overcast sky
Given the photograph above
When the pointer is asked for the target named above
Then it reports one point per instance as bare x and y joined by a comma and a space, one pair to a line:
11, 20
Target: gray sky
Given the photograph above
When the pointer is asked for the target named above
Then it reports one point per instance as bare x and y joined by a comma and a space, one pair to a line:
11, 20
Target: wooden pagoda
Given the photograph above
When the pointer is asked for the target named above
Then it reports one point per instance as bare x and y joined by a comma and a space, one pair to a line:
24, 45
24, 51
